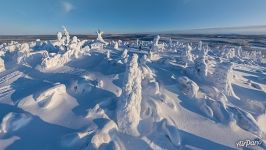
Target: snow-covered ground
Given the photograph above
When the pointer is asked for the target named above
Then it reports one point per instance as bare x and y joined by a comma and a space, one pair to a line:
97, 94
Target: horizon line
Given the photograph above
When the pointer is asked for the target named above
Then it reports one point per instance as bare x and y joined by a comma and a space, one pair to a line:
185, 31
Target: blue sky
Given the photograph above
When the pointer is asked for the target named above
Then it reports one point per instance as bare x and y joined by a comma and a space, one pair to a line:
124, 16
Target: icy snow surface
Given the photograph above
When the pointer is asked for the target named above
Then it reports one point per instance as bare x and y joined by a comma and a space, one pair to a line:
69, 93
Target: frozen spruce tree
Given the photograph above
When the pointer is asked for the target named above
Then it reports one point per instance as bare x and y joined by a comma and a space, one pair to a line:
156, 46
67, 36
75, 46
239, 52
124, 56
38, 44
59, 36
156, 40
116, 46
170, 42
129, 105
24, 50
200, 45
99, 36
201, 66
259, 57
222, 78
74, 40
187, 57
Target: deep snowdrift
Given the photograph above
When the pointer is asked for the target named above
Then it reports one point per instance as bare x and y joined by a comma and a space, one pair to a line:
99, 94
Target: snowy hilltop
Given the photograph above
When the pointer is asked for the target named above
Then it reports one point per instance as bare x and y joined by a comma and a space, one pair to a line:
73, 93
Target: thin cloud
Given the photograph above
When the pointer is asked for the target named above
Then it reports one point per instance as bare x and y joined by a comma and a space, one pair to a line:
67, 7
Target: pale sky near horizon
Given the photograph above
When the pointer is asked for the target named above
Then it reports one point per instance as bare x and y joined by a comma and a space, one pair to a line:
126, 16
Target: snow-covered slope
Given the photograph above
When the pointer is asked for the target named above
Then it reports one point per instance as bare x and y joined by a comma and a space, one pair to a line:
82, 94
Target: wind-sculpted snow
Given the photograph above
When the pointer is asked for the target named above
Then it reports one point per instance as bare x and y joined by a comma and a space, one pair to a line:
188, 86
13, 122
73, 93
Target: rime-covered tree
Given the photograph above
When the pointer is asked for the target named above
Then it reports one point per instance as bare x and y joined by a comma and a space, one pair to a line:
129, 105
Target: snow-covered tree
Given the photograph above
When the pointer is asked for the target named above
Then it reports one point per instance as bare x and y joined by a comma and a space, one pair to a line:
129, 105
186, 55
259, 57
59, 36
201, 65
74, 39
170, 42
38, 44
116, 45
200, 45
143, 59
66, 35
156, 46
124, 56
239, 52
99, 36
222, 78
2, 65
156, 40
25, 48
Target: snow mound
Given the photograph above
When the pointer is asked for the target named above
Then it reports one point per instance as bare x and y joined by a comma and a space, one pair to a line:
172, 133
71, 140
96, 112
49, 99
245, 121
14, 121
261, 122
103, 136
34, 58
214, 93
189, 87
54, 100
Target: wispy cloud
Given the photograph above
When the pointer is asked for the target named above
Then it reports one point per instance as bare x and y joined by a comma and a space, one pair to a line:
67, 6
